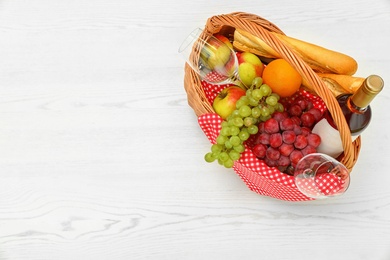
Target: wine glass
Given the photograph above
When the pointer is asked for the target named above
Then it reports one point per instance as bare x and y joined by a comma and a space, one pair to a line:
320, 176
212, 59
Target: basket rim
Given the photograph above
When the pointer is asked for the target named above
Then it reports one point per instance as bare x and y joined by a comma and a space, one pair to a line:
262, 28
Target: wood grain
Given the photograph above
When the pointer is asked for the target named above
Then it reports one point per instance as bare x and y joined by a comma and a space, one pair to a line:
102, 158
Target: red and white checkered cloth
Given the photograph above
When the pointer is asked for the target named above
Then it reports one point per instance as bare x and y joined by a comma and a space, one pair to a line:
260, 178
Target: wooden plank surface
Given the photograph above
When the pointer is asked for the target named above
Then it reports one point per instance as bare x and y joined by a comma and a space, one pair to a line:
102, 158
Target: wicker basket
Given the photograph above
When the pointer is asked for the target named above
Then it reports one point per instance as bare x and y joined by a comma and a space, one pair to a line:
278, 185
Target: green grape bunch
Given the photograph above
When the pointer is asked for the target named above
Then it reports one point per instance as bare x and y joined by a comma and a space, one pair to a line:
256, 106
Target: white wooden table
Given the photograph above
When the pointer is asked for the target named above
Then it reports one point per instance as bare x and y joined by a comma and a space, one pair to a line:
102, 158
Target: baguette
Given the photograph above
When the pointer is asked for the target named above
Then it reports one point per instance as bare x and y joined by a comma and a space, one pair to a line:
320, 59
349, 83
338, 84
331, 84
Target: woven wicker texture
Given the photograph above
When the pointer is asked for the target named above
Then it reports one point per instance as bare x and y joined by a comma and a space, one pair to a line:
261, 28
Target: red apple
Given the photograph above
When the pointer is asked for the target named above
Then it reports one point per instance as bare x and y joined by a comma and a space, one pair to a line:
217, 53
250, 67
225, 102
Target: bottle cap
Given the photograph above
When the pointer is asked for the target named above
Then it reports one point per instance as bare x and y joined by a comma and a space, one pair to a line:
371, 86
374, 84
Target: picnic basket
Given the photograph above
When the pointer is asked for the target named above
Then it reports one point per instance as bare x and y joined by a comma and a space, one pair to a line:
267, 181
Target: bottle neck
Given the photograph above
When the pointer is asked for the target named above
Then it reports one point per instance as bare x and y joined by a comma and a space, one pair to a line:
358, 103
354, 108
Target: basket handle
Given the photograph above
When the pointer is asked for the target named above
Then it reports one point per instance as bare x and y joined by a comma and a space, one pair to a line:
261, 28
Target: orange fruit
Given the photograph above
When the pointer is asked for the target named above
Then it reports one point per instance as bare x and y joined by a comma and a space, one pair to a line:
282, 78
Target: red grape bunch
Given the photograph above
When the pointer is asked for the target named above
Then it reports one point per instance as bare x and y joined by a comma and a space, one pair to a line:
286, 137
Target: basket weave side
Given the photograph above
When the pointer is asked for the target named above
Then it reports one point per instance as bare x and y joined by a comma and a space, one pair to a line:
261, 28
195, 94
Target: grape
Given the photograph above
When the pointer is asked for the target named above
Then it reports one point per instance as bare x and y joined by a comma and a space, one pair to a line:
283, 161
308, 119
265, 111
225, 131
271, 109
245, 111
308, 150
265, 90
275, 140
238, 121
228, 163
259, 150
223, 156
297, 130
216, 149
257, 82
279, 116
272, 153
235, 140
286, 149
220, 162
224, 124
286, 136
271, 126
287, 124
313, 140
239, 103
297, 121
303, 103
305, 131
275, 95
262, 138
221, 139
295, 110
248, 121
252, 109
253, 129
245, 99
257, 94
249, 93
265, 118
234, 155
234, 130
209, 157
279, 107
253, 102
316, 113
271, 100
300, 142
239, 148
228, 144
295, 156
235, 114
256, 112
244, 135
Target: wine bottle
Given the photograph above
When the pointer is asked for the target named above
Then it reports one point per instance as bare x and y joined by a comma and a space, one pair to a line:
357, 112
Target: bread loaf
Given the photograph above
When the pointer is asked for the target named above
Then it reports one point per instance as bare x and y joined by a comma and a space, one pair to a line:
320, 59
349, 83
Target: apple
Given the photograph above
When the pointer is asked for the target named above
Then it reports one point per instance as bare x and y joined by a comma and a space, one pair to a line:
225, 102
224, 39
250, 67
217, 53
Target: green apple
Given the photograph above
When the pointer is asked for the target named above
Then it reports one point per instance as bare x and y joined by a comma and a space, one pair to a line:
225, 102
250, 67
247, 73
